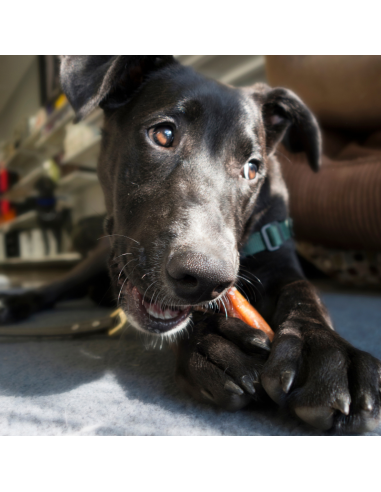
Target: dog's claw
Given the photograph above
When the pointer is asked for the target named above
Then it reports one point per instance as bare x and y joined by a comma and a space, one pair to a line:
206, 394
272, 388
248, 384
258, 342
366, 403
233, 388
342, 403
287, 378
319, 417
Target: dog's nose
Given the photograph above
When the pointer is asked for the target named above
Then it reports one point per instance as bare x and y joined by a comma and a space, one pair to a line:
196, 277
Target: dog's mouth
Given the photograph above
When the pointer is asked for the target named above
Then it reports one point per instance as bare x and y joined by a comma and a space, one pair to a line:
152, 317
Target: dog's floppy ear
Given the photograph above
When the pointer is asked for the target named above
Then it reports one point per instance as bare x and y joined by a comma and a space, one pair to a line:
107, 81
287, 119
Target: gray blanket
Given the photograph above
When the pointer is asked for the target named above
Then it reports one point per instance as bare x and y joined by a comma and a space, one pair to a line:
102, 386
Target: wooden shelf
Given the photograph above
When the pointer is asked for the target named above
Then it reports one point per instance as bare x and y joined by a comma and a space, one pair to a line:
94, 118
87, 155
25, 186
23, 159
60, 259
30, 141
55, 136
76, 181
29, 219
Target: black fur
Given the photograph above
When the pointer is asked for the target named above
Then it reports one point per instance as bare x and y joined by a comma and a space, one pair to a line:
179, 216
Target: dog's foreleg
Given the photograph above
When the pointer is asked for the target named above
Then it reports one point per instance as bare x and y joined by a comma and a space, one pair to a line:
73, 284
311, 370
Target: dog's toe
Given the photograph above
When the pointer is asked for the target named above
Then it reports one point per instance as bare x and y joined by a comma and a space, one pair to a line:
326, 382
213, 368
208, 384
319, 417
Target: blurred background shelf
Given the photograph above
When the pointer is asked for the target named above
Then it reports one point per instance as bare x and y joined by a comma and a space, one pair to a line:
56, 260
53, 132
27, 220
76, 181
86, 155
231, 69
25, 186
23, 159
30, 141
94, 118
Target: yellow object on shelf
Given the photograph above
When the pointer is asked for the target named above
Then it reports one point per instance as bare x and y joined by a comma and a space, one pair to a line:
60, 101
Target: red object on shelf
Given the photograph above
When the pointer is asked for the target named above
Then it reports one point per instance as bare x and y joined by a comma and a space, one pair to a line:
5, 207
4, 180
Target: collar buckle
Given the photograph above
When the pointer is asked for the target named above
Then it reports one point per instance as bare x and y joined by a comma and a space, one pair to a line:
267, 237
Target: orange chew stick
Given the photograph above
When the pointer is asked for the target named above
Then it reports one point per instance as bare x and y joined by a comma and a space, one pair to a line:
241, 309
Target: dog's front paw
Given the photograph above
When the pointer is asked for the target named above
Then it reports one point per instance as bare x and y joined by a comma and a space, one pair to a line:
221, 362
323, 379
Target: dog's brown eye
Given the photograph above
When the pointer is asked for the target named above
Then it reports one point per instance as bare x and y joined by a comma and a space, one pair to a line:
163, 136
250, 170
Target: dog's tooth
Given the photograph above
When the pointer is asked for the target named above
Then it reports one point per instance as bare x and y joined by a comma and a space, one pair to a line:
169, 314
151, 311
154, 311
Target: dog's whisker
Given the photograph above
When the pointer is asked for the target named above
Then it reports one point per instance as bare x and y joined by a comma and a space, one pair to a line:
245, 279
135, 259
135, 267
252, 288
153, 283
115, 262
124, 254
154, 292
157, 297
283, 155
119, 235
162, 303
248, 272
125, 280
148, 273
242, 283
226, 313
120, 273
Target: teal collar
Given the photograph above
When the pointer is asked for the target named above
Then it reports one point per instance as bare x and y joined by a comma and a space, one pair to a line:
271, 237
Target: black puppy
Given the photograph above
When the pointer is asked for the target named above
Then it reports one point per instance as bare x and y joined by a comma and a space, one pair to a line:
196, 202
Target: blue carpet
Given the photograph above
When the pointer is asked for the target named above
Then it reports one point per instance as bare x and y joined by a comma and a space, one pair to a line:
101, 386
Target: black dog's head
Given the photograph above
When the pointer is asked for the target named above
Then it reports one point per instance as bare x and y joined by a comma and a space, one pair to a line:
186, 168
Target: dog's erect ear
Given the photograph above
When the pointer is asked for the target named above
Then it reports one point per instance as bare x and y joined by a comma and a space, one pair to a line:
107, 81
287, 119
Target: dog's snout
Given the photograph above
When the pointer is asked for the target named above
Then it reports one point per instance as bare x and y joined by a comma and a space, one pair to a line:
196, 277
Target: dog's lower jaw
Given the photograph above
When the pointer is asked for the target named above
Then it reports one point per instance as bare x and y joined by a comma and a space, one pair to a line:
152, 318
165, 335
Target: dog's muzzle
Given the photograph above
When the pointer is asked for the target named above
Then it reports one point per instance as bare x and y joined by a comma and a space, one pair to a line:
189, 279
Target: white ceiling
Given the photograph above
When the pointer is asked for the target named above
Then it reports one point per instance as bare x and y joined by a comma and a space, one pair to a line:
12, 70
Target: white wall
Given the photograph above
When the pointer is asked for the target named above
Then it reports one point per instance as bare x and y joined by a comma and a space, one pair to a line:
88, 202
24, 101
